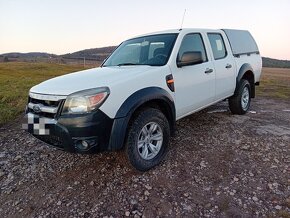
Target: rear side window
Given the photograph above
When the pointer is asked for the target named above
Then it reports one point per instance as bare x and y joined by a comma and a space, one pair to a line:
192, 43
217, 45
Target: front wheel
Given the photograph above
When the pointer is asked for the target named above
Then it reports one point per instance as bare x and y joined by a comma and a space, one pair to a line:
241, 101
147, 139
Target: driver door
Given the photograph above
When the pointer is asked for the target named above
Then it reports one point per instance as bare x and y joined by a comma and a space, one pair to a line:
194, 84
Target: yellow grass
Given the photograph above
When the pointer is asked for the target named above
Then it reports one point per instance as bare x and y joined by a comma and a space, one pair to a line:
275, 83
17, 78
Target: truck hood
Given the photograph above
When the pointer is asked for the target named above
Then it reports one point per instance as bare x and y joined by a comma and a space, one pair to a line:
87, 79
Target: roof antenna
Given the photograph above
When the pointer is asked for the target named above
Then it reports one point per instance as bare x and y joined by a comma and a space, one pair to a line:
182, 19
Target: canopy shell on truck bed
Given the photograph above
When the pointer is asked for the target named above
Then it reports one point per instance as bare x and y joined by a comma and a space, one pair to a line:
241, 41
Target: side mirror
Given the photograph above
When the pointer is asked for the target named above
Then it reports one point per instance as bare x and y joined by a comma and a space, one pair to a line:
190, 58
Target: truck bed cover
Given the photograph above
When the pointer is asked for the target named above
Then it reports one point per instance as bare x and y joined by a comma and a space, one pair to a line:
241, 41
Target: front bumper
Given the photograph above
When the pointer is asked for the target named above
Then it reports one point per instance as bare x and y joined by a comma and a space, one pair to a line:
69, 131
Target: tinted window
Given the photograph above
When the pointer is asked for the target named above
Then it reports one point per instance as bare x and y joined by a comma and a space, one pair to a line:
217, 45
192, 43
152, 50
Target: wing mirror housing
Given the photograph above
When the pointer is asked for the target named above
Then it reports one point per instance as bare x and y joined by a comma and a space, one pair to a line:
190, 58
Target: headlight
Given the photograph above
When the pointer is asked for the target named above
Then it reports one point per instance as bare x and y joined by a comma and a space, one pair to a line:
85, 101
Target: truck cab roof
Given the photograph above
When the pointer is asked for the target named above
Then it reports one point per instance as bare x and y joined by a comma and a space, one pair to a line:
183, 30
241, 41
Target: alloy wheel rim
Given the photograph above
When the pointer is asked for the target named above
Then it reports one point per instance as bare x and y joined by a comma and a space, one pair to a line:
150, 140
245, 98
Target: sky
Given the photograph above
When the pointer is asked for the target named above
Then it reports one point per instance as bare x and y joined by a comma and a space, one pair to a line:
65, 26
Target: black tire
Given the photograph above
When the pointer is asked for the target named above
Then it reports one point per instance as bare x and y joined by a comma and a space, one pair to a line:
142, 119
236, 104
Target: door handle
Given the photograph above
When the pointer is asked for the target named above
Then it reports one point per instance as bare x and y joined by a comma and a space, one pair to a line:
208, 71
228, 66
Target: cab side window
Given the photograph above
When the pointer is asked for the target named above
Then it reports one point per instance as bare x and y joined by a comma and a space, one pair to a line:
217, 45
192, 43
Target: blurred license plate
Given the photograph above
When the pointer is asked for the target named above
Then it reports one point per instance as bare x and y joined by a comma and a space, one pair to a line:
37, 125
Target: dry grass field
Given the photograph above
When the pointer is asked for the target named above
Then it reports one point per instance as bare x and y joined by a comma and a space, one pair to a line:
275, 82
17, 78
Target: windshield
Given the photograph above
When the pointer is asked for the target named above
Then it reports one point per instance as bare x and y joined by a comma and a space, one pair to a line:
152, 50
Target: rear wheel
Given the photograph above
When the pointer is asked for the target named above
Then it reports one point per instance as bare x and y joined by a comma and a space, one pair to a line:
240, 102
147, 139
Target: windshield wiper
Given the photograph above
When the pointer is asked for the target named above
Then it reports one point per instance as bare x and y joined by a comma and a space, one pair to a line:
127, 64
124, 64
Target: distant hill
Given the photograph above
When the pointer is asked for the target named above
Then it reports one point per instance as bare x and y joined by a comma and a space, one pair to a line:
29, 55
269, 62
98, 54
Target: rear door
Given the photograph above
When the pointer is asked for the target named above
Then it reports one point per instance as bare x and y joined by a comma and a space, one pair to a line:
224, 65
194, 84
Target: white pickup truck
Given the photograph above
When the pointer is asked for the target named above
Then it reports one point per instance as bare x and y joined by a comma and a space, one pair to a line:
133, 100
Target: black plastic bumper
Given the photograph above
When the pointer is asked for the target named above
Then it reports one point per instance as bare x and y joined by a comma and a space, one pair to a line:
69, 131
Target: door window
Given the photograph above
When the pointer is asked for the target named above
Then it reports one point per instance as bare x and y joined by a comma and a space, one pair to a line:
192, 43
217, 45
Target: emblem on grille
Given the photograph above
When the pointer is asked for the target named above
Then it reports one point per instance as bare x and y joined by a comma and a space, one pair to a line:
36, 109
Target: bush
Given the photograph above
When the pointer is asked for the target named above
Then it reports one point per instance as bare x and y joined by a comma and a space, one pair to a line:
5, 59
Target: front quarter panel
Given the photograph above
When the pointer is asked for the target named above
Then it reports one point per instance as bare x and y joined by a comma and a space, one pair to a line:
120, 91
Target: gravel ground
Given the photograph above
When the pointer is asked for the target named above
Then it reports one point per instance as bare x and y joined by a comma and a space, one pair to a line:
218, 165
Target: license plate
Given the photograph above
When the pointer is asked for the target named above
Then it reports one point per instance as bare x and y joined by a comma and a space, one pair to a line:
37, 125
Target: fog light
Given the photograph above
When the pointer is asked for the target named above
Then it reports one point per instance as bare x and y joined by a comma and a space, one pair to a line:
85, 145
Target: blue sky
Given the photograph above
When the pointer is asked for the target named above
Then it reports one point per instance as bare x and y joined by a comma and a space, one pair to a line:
62, 26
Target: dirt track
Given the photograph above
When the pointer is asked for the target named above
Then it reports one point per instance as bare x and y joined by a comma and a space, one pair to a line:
218, 165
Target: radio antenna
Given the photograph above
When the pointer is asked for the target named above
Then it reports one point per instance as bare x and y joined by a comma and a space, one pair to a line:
182, 19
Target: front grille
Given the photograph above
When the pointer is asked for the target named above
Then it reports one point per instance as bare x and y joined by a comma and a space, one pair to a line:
51, 140
44, 102
42, 114
44, 108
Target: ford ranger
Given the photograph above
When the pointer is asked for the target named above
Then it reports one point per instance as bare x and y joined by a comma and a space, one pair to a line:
133, 100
